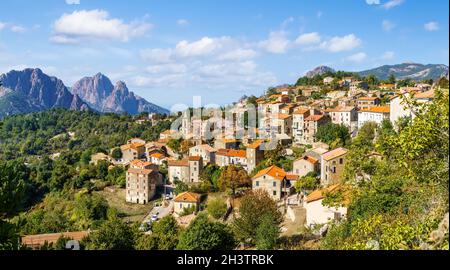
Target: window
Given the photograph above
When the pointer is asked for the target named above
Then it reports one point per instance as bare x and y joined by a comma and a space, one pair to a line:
274, 193
257, 183
341, 161
274, 184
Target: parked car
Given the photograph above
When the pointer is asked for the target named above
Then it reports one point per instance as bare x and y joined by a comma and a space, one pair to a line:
154, 218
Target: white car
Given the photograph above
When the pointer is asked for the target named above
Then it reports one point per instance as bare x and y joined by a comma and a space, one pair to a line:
154, 218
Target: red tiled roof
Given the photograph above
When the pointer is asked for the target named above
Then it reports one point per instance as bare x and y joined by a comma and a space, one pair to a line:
273, 171
187, 197
231, 153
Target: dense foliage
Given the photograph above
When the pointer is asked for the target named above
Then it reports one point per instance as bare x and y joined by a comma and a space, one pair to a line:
399, 184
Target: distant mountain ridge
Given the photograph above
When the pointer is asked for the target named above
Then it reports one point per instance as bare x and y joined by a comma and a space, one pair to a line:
31, 90
99, 92
413, 71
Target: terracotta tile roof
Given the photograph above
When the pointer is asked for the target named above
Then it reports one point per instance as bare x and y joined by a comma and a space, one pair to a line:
140, 171
320, 193
40, 239
178, 163
292, 177
334, 153
140, 163
157, 155
188, 197
341, 109
133, 146
301, 111
315, 117
427, 94
377, 109
206, 147
283, 116
273, 171
255, 144
310, 159
231, 153
195, 158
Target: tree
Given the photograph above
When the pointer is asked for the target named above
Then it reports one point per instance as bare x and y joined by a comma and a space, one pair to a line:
391, 79
116, 153
203, 234
443, 83
166, 231
233, 177
102, 169
254, 206
216, 208
267, 233
112, 235
13, 179
180, 187
309, 181
333, 133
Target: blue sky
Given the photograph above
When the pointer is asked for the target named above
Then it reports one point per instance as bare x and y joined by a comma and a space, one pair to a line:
168, 51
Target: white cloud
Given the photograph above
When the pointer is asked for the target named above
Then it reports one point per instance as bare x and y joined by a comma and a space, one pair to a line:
2, 26
388, 25
18, 29
167, 68
238, 55
357, 58
73, 2
183, 22
277, 42
373, 2
204, 46
308, 39
339, 44
95, 24
389, 55
157, 55
392, 3
319, 14
431, 26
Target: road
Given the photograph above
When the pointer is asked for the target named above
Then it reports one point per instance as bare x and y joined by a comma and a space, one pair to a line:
160, 211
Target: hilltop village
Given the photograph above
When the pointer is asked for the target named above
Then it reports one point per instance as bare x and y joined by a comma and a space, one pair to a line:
294, 150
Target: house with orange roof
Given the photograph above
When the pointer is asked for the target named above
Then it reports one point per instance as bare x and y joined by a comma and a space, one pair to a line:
157, 158
207, 152
272, 180
226, 157
364, 103
132, 151
373, 114
298, 123
139, 164
311, 125
222, 142
332, 166
306, 164
399, 108
187, 170
255, 154
347, 116
186, 200
141, 184
317, 213
167, 135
